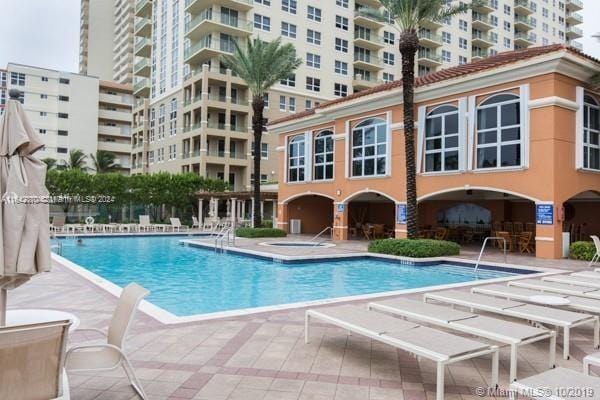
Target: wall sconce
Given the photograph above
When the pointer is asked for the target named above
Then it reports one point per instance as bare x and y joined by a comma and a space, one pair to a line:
338, 192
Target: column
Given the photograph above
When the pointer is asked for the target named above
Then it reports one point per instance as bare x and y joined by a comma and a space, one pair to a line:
243, 205
282, 217
200, 213
548, 230
233, 212
274, 216
252, 212
262, 209
340, 221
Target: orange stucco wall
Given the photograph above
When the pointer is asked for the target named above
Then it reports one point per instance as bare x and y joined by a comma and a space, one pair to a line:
315, 212
550, 177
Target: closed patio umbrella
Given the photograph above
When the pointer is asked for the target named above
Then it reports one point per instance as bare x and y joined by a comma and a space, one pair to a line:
24, 210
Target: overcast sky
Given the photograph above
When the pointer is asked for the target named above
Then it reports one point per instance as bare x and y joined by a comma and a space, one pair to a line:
45, 33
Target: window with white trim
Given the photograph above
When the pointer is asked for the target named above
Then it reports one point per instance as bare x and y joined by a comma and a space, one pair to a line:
313, 37
341, 22
341, 45
288, 30
340, 90
369, 148
389, 37
441, 139
289, 81
289, 6
313, 84
313, 13
341, 3
313, 60
341, 67
296, 161
323, 158
591, 133
499, 132
282, 103
262, 22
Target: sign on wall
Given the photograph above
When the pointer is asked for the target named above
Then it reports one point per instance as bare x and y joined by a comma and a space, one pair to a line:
544, 214
401, 214
340, 208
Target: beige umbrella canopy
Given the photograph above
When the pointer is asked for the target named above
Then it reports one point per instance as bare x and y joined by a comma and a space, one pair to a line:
24, 210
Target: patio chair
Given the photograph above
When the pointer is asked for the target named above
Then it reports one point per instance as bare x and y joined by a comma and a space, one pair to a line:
505, 332
441, 234
553, 384
555, 287
508, 226
506, 236
544, 315
195, 222
109, 356
176, 225
58, 223
379, 231
518, 227
529, 227
596, 256
32, 359
525, 242
145, 224
441, 347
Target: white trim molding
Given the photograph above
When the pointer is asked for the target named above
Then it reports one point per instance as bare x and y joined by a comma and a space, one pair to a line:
579, 99
553, 101
544, 239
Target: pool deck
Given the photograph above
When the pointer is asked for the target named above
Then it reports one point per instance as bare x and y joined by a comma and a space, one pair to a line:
263, 356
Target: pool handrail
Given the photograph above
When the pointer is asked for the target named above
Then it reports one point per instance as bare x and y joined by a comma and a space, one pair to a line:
319, 234
483, 248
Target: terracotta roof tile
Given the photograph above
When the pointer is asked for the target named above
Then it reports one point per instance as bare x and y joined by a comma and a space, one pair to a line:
496, 61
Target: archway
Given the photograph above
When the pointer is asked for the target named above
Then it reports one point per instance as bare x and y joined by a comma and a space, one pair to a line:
581, 215
371, 215
314, 211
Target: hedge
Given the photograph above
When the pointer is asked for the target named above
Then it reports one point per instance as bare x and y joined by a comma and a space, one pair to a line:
582, 251
259, 232
416, 248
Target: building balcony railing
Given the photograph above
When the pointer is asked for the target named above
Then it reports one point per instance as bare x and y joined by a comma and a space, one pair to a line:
207, 43
142, 47
143, 7
368, 39
429, 58
484, 6
142, 85
523, 39
140, 65
190, 128
482, 39
367, 58
142, 27
481, 22
429, 38
522, 22
239, 26
574, 18
238, 155
574, 5
217, 97
195, 6
523, 7
574, 32
477, 54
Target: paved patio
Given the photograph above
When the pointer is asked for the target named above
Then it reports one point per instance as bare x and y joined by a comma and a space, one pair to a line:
263, 356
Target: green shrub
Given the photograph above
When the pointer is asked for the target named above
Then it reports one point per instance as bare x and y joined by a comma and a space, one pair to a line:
259, 232
582, 251
416, 248
266, 223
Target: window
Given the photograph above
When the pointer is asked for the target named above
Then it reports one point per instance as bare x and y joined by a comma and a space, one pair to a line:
446, 56
313, 60
62, 150
494, 4
289, 6
369, 148
266, 100
313, 37
282, 103
507, 42
341, 67
446, 37
263, 2
292, 104
314, 14
441, 139
172, 152
63, 115
43, 113
63, 98
388, 58
307, 104
387, 77
290, 81
262, 22
507, 26
288, 30
591, 133
462, 60
506, 9
313, 84
499, 132
63, 132
494, 37
341, 22
17, 78
64, 81
341, 45
43, 96
44, 79
340, 90
462, 43
264, 151
389, 37
323, 162
463, 25
42, 131
342, 3
296, 159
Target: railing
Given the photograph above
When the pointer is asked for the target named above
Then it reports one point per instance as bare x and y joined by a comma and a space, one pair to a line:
524, 4
430, 36
479, 53
577, 3
481, 18
141, 43
314, 238
222, 236
188, 2
215, 16
141, 84
482, 36
429, 56
366, 58
141, 64
138, 25
524, 36
208, 42
483, 248
577, 17
523, 20
576, 31
358, 34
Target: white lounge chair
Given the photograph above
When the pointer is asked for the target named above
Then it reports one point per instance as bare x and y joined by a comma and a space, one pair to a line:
573, 280
441, 347
109, 356
555, 287
556, 384
145, 224
195, 222
176, 225
58, 223
596, 256
530, 312
505, 332
32, 359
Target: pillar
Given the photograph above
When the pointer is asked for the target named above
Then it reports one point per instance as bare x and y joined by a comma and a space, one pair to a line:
243, 205
340, 221
262, 209
233, 212
252, 212
282, 220
200, 213
548, 230
274, 216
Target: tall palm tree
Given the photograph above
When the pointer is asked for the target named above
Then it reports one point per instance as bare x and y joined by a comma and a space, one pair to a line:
407, 16
104, 161
50, 162
76, 160
261, 65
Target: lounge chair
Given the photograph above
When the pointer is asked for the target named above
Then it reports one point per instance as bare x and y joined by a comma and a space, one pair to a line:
32, 359
557, 384
441, 347
505, 332
176, 225
58, 223
109, 356
530, 312
573, 280
145, 224
555, 287
596, 256
195, 222
587, 274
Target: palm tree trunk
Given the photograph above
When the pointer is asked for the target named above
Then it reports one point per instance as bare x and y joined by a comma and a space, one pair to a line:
409, 42
258, 107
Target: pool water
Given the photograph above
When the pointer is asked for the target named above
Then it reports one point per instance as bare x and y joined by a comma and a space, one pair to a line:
188, 280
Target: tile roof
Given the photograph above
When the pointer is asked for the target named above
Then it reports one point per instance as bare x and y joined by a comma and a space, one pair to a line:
496, 61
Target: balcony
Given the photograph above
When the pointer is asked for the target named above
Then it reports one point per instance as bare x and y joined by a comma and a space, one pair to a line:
481, 39
122, 116
190, 128
122, 131
523, 23
143, 47
574, 32
429, 39
361, 82
195, 6
207, 48
429, 59
142, 67
367, 21
122, 100
115, 147
576, 45
430, 24
574, 18
574, 5
523, 39
368, 40
208, 21
523, 7
143, 8
367, 61
483, 7
142, 87
143, 27
481, 22
478, 54
217, 98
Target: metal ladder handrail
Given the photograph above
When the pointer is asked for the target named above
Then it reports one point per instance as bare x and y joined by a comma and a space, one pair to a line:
223, 235
319, 234
483, 248
220, 236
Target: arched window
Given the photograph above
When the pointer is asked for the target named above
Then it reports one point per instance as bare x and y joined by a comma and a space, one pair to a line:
323, 155
591, 133
296, 159
441, 139
499, 131
369, 148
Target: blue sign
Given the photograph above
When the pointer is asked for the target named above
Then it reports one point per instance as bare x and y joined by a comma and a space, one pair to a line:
401, 214
544, 214
340, 209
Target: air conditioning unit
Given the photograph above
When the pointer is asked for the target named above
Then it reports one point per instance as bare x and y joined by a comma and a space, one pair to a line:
295, 226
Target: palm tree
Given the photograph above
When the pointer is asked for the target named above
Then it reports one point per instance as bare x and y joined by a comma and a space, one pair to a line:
50, 162
76, 160
104, 161
407, 15
261, 65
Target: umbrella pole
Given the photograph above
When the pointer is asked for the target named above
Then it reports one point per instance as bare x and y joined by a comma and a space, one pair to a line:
3, 306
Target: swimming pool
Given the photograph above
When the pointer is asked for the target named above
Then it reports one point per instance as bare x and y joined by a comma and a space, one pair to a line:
187, 281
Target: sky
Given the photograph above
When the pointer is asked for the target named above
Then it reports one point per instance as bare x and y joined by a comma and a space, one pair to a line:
45, 33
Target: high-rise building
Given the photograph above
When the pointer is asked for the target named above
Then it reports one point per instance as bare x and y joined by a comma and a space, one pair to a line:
72, 111
193, 115
106, 39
